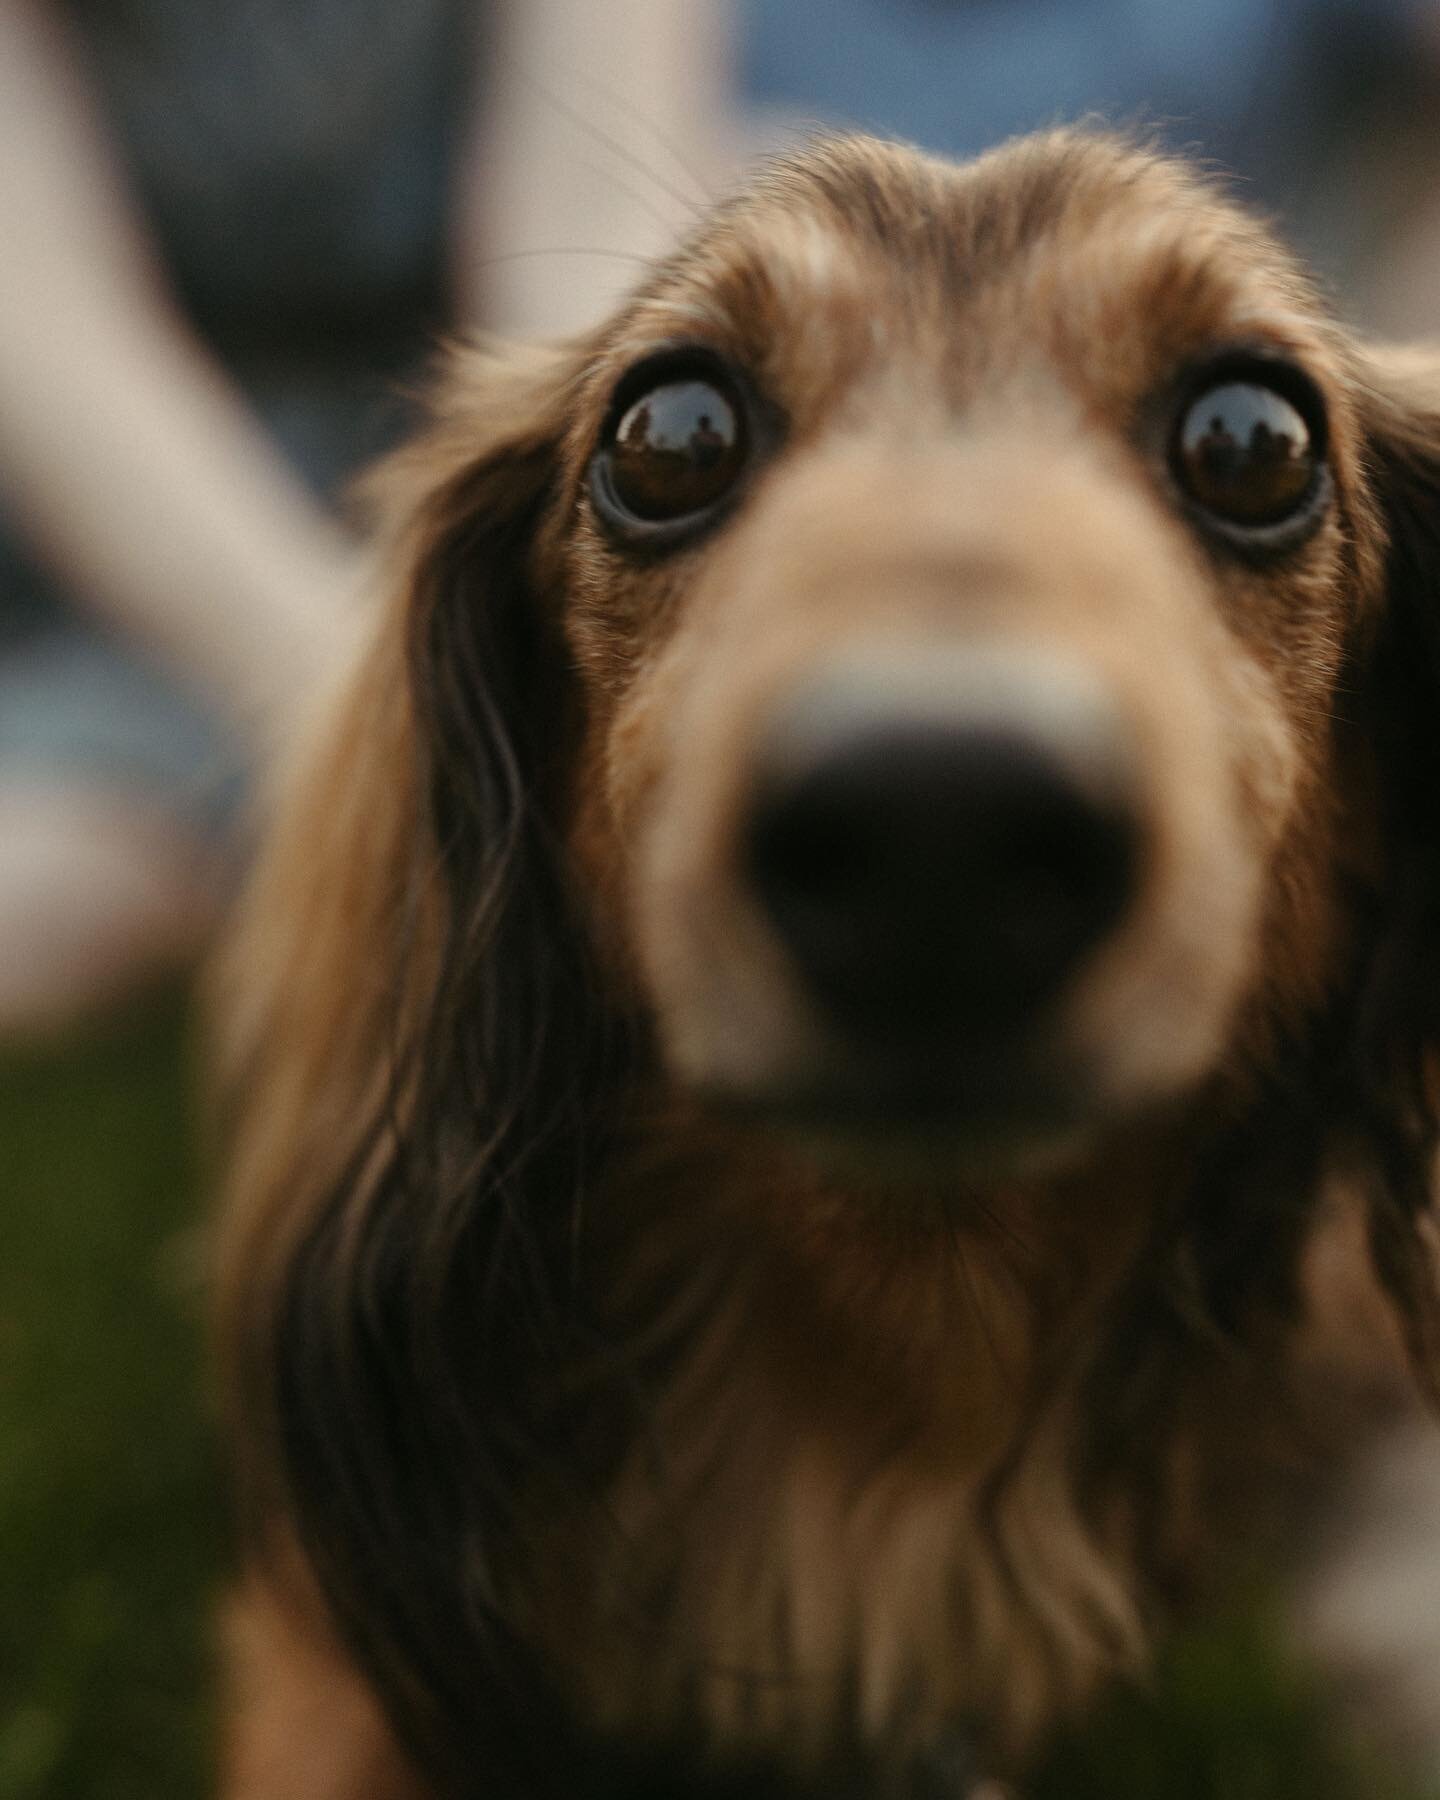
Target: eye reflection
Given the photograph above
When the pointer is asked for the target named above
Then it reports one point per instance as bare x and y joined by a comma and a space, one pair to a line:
677, 450
1246, 454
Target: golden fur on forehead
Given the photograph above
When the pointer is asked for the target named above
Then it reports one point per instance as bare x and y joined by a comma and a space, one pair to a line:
1065, 265
849, 209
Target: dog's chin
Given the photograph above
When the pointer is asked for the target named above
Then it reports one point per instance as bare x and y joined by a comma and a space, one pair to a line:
969, 1126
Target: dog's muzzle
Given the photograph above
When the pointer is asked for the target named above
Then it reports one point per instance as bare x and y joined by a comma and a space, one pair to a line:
939, 842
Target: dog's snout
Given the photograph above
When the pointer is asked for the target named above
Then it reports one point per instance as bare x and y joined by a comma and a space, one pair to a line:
937, 870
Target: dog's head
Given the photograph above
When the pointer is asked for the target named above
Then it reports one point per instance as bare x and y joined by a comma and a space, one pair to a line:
949, 665
958, 590
962, 564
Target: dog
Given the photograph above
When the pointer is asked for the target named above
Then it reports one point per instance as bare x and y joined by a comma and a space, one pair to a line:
867, 910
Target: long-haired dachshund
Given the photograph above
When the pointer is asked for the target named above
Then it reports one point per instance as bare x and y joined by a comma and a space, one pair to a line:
871, 892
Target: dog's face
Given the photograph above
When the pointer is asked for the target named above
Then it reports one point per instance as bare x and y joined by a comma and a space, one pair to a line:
959, 645
960, 564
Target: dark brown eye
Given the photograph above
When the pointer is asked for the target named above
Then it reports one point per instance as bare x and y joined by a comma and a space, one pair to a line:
675, 452
1245, 453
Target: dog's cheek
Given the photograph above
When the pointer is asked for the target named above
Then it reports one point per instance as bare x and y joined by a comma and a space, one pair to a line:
1287, 632
1284, 929
1158, 1010
618, 626
674, 787
1292, 799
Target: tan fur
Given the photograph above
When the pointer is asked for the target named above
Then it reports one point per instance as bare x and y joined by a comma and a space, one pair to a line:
865, 1509
302, 1725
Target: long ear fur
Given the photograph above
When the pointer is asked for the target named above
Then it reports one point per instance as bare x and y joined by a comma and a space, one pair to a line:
1357, 1085
413, 1053
1398, 1040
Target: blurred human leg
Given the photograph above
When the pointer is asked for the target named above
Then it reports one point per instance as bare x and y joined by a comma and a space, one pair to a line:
99, 894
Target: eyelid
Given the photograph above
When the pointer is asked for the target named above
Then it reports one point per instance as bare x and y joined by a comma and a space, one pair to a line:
676, 361
1259, 365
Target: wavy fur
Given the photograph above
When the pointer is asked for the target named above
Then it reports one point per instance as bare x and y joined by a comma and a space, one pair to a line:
600, 1470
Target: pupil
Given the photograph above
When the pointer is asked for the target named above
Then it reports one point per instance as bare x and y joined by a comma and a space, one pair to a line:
1245, 453
677, 450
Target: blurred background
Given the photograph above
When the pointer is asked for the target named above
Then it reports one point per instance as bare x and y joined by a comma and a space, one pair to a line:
231, 235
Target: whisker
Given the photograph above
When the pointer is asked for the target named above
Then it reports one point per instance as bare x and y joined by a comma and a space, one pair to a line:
704, 191
1004, 1229
510, 256
962, 1263
689, 205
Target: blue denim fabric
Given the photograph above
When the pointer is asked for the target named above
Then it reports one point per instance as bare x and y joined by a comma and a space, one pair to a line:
1251, 84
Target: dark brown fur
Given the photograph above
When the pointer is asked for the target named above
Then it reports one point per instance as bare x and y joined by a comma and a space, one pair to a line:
615, 1426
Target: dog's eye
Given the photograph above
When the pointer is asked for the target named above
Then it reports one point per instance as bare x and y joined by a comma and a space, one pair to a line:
1246, 454
674, 452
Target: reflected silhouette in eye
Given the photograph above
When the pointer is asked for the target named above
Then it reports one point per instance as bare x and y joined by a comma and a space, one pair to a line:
1247, 453
674, 453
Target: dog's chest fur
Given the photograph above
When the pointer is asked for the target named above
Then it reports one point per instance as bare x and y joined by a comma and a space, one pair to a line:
855, 1495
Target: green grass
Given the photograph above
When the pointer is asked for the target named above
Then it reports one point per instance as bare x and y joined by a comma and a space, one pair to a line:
1227, 1717
109, 1511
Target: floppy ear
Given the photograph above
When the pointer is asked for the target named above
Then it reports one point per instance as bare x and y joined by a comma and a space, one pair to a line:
1397, 1044
412, 1024
1363, 1078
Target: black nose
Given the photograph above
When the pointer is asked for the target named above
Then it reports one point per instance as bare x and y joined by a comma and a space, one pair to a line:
931, 878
